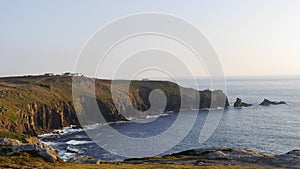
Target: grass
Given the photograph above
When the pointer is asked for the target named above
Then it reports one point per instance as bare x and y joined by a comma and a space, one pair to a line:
26, 160
21, 137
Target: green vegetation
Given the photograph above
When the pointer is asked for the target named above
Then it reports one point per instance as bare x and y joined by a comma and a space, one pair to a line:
17, 92
26, 160
21, 137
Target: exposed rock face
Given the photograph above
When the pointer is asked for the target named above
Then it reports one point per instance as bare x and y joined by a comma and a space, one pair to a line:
12, 146
239, 103
41, 118
213, 99
267, 102
208, 99
45, 118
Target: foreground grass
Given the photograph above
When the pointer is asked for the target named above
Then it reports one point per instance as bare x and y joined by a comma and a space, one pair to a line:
13, 135
25, 160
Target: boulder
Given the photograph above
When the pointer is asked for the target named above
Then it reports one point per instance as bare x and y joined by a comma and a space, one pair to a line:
11, 146
267, 102
8, 142
239, 103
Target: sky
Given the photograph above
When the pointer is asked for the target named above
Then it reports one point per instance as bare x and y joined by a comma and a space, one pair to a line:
251, 38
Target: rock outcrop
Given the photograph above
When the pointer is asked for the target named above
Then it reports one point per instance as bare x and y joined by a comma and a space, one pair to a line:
225, 156
289, 160
267, 102
10, 147
239, 103
8, 142
213, 99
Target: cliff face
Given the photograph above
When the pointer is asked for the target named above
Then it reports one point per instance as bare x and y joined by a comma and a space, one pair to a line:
37, 104
40, 118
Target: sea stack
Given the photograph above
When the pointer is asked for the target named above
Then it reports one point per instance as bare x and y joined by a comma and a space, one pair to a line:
239, 103
267, 102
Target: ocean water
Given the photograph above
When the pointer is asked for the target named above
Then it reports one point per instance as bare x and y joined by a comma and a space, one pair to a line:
272, 130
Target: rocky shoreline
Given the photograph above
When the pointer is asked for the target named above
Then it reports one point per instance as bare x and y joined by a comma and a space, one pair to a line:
226, 156
194, 157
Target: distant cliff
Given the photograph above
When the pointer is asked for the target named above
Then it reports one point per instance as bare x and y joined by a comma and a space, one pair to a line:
37, 104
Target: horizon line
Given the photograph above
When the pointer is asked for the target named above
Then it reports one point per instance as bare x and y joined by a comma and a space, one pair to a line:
182, 77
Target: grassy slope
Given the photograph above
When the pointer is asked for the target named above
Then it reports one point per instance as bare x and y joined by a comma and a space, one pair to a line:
25, 160
17, 92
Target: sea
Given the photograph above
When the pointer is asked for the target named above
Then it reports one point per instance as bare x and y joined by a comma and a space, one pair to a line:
267, 129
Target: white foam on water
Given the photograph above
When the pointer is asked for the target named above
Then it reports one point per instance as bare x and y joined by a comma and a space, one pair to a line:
78, 142
66, 156
47, 135
152, 116
51, 143
72, 150
68, 130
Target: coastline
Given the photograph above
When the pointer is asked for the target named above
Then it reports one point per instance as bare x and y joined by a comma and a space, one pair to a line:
31, 113
44, 156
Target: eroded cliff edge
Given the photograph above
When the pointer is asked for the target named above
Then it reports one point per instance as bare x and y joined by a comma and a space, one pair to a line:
37, 104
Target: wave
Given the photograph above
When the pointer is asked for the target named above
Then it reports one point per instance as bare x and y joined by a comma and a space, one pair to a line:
47, 135
70, 129
92, 126
51, 143
73, 150
65, 155
64, 131
78, 142
168, 113
156, 116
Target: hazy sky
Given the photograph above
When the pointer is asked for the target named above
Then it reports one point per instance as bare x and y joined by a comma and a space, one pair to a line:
251, 37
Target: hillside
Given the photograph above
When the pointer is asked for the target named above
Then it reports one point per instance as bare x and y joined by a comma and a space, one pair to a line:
33, 105
25, 160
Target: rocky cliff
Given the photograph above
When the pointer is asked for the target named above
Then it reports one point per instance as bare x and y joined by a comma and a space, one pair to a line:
37, 104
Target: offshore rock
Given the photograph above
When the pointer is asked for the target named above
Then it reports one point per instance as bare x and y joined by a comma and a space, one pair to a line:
239, 103
267, 102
